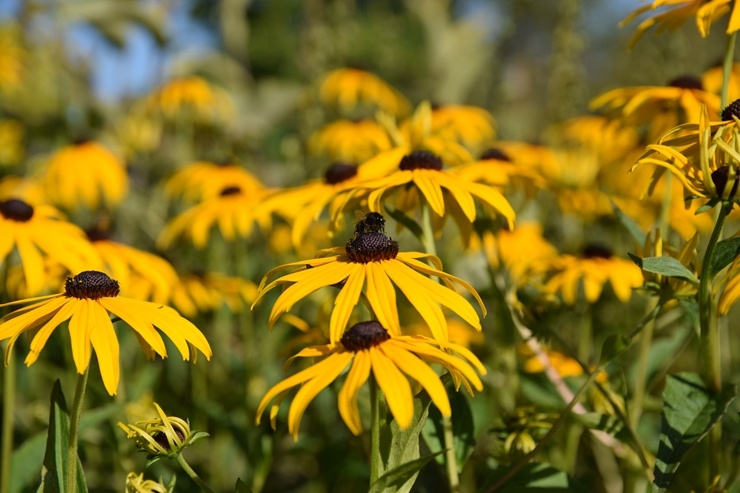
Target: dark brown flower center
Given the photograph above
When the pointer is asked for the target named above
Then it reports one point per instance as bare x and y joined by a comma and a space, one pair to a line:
687, 82
594, 250
16, 210
732, 110
231, 190
495, 153
161, 438
339, 172
371, 247
97, 234
420, 160
364, 335
91, 285
720, 177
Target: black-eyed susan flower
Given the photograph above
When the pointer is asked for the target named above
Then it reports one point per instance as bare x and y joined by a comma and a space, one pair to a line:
39, 232
195, 98
393, 359
163, 436
231, 211
673, 13
87, 302
523, 252
472, 126
420, 177
349, 141
372, 260
28, 189
135, 483
594, 269
203, 180
85, 174
202, 293
496, 168
659, 107
350, 88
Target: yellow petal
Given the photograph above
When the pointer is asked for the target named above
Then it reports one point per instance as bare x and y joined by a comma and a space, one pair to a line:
346, 301
395, 387
80, 326
412, 366
382, 297
347, 399
105, 343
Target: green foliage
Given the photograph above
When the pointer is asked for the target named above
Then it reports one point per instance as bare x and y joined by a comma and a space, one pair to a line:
724, 253
667, 266
538, 478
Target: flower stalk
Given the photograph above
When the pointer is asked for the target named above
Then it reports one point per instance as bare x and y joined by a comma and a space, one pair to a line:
374, 431
74, 432
193, 475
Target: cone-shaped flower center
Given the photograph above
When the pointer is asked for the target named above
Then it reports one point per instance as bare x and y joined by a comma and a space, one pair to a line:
687, 82
420, 160
231, 190
339, 172
371, 247
495, 153
97, 234
16, 210
364, 335
161, 438
732, 110
596, 251
91, 285
720, 177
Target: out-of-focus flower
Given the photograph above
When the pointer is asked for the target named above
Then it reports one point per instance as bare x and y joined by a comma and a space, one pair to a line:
30, 229
349, 88
393, 359
11, 141
203, 180
193, 98
458, 332
232, 210
563, 364
523, 252
523, 428
138, 132
30, 190
87, 301
164, 436
497, 169
471, 126
137, 484
372, 259
711, 79
673, 13
659, 107
731, 291
12, 56
85, 174
349, 141
594, 268
202, 293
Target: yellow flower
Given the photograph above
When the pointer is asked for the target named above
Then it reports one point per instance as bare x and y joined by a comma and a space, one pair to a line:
522, 251
421, 173
137, 484
659, 107
372, 259
731, 292
393, 359
12, 57
349, 141
30, 229
471, 126
348, 88
203, 180
87, 301
85, 174
200, 293
193, 97
30, 190
12, 149
165, 436
711, 79
497, 169
595, 268
676, 12
231, 210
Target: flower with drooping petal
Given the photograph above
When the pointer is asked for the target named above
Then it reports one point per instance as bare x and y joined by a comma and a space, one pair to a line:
206, 292
350, 88
163, 436
193, 97
87, 302
137, 484
202, 180
349, 141
393, 360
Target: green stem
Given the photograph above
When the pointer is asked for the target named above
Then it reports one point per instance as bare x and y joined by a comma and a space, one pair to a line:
70, 479
7, 425
193, 475
638, 395
427, 239
374, 431
727, 70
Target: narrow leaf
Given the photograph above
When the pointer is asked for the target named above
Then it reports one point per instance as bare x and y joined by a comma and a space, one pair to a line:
241, 487
55, 459
667, 266
725, 252
396, 478
538, 478
689, 412
613, 347
630, 225
463, 427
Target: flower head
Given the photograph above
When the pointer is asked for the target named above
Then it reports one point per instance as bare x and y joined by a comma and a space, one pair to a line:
350, 141
87, 302
193, 97
393, 359
349, 88
202, 180
163, 436
137, 484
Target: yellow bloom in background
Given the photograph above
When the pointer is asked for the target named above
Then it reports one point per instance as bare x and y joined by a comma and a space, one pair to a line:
138, 132
85, 174
349, 88
30, 190
458, 333
349, 141
193, 97
659, 107
137, 484
673, 13
662, 285
612, 140
711, 79
202, 293
393, 360
87, 302
142, 275
595, 268
30, 229
231, 211
471, 126
496, 168
203, 180
523, 252
12, 149
12, 56
372, 260
731, 292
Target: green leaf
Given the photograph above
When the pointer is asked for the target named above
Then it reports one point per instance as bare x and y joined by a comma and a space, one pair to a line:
667, 266
613, 347
407, 221
241, 487
689, 412
462, 426
602, 422
538, 478
396, 478
724, 253
630, 225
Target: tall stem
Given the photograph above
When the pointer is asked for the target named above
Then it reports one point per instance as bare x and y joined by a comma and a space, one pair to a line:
193, 475
7, 425
374, 431
74, 430
638, 395
727, 69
